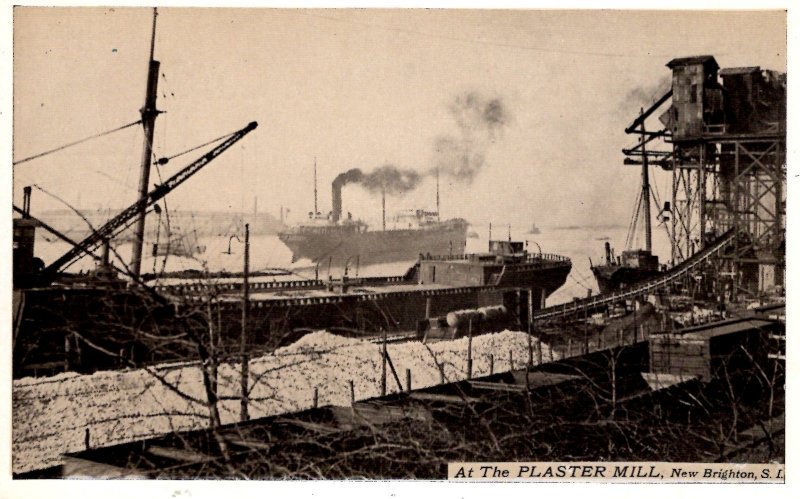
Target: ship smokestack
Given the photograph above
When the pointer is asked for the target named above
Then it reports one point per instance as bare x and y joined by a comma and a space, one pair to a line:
336, 198
353, 175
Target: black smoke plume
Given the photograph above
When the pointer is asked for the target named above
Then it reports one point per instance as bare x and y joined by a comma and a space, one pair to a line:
461, 157
350, 176
480, 121
387, 178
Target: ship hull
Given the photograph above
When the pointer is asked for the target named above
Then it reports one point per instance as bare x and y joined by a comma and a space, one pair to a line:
613, 278
90, 329
398, 308
370, 247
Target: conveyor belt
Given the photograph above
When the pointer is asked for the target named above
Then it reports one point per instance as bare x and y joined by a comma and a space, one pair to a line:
641, 288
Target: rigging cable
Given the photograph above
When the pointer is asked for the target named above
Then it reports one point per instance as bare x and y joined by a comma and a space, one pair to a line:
632, 236
76, 143
164, 160
655, 195
630, 222
157, 163
77, 212
126, 270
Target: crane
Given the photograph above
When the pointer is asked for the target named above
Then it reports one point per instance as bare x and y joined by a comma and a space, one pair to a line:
105, 232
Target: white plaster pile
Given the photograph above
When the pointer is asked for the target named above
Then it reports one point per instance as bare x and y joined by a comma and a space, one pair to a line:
51, 415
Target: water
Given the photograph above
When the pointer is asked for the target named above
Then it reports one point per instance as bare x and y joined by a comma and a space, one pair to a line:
268, 252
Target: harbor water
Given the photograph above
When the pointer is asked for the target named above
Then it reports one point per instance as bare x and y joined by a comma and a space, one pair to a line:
267, 252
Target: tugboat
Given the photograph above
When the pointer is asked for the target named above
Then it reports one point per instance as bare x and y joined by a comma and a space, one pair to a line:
179, 244
634, 265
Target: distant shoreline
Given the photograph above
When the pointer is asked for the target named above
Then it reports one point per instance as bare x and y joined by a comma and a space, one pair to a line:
182, 222
595, 227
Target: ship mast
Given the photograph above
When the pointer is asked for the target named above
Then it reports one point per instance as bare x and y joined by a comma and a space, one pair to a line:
315, 188
648, 234
438, 211
149, 113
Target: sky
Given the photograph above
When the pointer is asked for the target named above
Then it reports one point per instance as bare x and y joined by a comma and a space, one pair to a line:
360, 89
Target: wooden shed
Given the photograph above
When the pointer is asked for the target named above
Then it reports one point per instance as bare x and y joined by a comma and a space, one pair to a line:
702, 351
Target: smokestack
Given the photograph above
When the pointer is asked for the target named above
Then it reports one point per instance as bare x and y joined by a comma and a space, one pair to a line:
352, 175
383, 206
336, 199
26, 201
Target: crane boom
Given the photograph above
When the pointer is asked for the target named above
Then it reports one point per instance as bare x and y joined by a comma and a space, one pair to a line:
106, 231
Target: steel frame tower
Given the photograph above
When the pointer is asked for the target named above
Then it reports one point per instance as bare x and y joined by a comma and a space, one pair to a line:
728, 166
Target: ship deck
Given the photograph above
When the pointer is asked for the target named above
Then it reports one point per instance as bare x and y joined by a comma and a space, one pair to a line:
354, 290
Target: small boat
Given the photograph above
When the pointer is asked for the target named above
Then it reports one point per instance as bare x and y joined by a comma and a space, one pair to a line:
178, 246
534, 230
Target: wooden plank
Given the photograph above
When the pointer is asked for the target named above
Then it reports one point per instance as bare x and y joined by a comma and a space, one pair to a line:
441, 397
687, 365
682, 358
684, 371
502, 387
539, 379
184, 455
249, 444
372, 414
391, 413
659, 381
689, 348
677, 340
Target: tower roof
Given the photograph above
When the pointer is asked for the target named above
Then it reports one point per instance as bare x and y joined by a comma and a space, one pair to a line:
705, 60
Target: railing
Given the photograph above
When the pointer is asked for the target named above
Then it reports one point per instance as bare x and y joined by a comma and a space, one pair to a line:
549, 257
226, 303
443, 258
236, 286
530, 257
224, 287
642, 288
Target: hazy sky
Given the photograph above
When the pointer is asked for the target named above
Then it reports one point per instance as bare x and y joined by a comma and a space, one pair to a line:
360, 88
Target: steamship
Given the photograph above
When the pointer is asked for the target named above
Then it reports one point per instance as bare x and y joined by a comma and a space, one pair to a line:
332, 240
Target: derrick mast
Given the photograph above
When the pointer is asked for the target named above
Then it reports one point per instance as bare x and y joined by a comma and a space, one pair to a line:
149, 113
